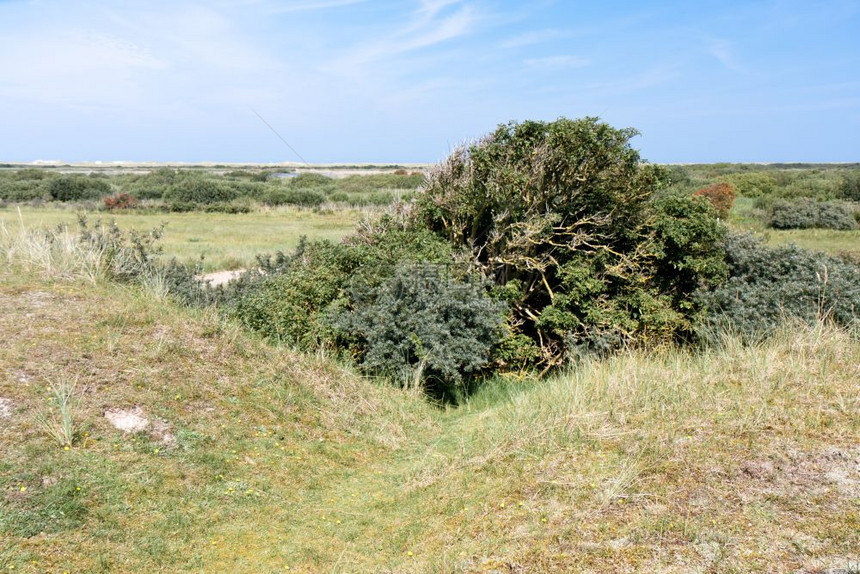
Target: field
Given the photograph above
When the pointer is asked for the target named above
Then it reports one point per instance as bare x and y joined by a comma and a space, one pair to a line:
227, 241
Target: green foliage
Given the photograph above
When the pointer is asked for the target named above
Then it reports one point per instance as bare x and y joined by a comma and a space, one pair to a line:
301, 197
77, 188
306, 180
849, 188
807, 214
424, 328
755, 184
192, 188
566, 210
767, 285
287, 307
288, 298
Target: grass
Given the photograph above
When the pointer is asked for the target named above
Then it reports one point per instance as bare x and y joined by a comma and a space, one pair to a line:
60, 426
734, 459
227, 241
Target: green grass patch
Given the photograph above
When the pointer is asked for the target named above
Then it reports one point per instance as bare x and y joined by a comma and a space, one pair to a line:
227, 241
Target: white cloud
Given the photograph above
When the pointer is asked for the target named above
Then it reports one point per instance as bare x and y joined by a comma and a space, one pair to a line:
723, 50
534, 37
557, 62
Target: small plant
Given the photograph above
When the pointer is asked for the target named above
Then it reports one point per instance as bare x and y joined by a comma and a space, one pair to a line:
120, 201
59, 424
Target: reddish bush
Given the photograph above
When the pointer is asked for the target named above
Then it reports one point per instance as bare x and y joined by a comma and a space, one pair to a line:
120, 201
721, 195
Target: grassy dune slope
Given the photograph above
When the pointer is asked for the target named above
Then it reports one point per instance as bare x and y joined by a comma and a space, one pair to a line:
742, 459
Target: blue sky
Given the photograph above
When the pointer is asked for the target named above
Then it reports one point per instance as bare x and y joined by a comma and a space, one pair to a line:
353, 80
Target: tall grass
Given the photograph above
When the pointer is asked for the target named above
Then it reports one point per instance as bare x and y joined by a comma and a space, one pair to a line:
53, 253
59, 425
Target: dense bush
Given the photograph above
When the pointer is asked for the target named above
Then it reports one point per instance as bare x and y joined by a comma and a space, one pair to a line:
77, 188
767, 285
755, 184
562, 217
807, 214
300, 197
721, 195
289, 298
423, 327
23, 190
198, 189
305, 180
849, 188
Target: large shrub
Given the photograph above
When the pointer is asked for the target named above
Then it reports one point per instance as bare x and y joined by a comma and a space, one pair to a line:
424, 327
767, 285
561, 216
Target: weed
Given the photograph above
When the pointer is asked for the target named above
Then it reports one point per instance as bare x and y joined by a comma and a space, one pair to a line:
59, 425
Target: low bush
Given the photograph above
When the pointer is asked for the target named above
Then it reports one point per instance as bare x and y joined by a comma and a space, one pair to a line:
767, 285
849, 188
197, 189
424, 328
721, 195
120, 201
77, 188
298, 197
808, 214
305, 180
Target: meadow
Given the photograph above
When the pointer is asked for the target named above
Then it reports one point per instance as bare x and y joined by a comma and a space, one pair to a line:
225, 241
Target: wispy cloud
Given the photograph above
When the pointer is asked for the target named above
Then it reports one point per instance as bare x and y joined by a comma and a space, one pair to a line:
723, 51
431, 24
534, 37
557, 62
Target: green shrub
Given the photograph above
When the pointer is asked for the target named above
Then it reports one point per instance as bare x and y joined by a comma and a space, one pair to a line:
305, 180
198, 189
286, 300
755, 184
424, 328
77, 188
767, 285
849, 188
563, 215
298, 197
835, 215
23, 190
807, 214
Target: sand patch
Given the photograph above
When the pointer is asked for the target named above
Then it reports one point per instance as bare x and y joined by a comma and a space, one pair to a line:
127, 420
5, 408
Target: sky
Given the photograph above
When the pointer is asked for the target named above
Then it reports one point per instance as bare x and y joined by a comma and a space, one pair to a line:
407, 81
